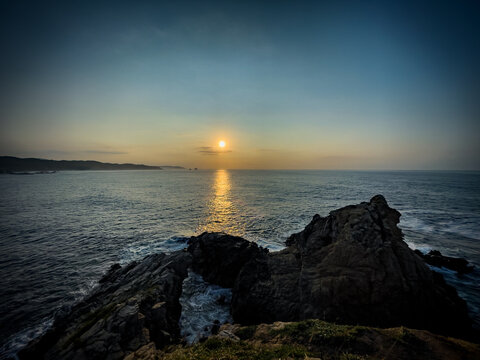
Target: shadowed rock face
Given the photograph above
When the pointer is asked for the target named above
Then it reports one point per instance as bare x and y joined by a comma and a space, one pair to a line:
132, 307
219, 257
349, 267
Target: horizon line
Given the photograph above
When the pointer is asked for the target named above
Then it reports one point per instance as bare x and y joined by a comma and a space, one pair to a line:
261, 169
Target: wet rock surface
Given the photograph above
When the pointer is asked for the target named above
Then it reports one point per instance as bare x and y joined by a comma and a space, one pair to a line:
350, 267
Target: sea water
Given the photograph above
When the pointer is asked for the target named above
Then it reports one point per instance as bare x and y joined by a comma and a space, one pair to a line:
60, 232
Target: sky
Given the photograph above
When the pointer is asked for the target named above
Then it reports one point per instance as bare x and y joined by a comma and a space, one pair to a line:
286, 84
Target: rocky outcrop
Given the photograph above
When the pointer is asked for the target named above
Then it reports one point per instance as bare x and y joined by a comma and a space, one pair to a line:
219, 257
349, 267
134, 306
435, 258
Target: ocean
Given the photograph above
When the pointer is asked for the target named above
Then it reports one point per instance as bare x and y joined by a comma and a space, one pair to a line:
60, 232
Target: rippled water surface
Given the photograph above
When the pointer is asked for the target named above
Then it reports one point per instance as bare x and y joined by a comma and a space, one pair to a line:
60, 232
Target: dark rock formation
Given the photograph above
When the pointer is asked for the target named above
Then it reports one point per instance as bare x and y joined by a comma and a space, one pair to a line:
132, 307
219, 257
349, 267
435, 258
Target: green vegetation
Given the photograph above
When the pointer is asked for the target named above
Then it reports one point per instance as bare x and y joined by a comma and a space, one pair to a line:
321, 340
319, 332
406, 336
224, 349
246, 332
300, 340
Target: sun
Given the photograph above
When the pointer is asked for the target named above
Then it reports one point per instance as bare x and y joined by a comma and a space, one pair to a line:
221, 143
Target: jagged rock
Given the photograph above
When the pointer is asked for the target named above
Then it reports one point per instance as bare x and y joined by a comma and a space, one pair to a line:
146, 352
111, 273
435, 258
349, 267
133, 307
218, 257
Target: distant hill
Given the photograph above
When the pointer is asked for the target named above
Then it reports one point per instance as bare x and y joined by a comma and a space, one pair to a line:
10, 164
170, 167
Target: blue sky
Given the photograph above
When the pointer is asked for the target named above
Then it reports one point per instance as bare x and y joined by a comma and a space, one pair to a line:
287, 84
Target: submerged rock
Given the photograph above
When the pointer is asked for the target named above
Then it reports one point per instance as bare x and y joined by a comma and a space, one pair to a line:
435, 258
350, 267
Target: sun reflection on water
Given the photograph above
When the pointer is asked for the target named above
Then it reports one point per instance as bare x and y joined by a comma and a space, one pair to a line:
221, 211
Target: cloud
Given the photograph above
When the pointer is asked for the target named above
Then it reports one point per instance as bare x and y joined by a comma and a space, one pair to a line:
209, 150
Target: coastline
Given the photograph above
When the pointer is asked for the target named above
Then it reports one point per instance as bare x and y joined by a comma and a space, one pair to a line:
226, 260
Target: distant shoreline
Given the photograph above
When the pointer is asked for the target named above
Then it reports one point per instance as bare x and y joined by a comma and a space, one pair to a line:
15, 165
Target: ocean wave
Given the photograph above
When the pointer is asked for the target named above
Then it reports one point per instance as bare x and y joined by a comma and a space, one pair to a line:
138, 251
414, 223
19, 340
272, 246
203, 305
424, 248
468, 229
465, 227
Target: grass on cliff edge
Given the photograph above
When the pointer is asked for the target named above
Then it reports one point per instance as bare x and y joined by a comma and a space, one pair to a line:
225, 349
319, 339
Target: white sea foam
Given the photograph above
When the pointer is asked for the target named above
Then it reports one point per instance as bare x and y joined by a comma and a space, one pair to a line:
414, 223
424, 248
203, 304
272, 246
470, 230
21, 339
138, 251
467, 228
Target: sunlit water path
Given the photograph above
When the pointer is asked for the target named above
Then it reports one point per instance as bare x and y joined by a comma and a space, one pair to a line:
60, 232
